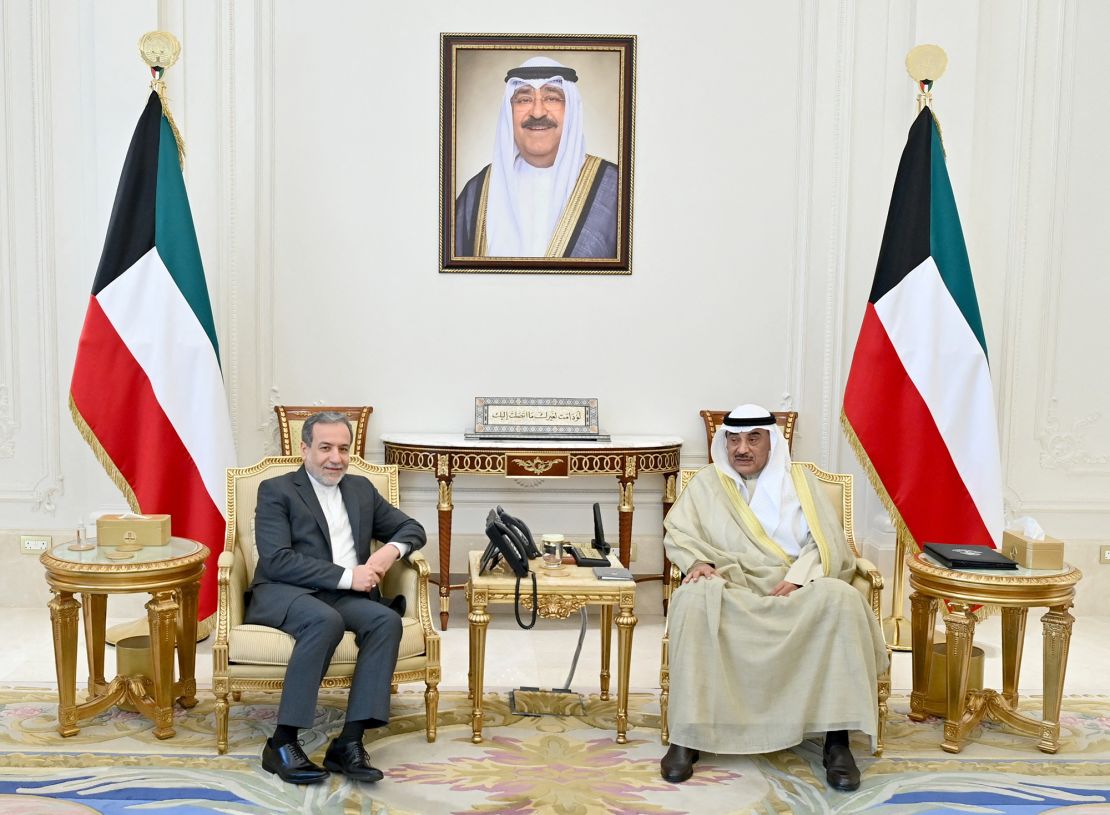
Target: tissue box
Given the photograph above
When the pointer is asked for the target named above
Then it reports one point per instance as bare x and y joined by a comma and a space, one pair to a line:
1033, 554
140, 530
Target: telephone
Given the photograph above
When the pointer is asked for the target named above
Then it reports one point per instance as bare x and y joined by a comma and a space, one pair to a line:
511, 540
600, 552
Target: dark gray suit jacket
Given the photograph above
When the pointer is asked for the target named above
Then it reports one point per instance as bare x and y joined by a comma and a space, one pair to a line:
294, 547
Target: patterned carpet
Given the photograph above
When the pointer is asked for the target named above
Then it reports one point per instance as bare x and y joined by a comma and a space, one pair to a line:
546, 766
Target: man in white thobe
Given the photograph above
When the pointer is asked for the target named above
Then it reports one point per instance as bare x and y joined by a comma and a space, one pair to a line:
769, 641
542, 195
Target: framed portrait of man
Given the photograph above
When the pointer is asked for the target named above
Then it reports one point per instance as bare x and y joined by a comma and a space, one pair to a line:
536, 149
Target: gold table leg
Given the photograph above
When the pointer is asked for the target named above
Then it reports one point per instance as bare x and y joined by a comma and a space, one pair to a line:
959, 625
625, 509
186, 688
479, 621
162, 615
670, 495
94, 612
1056, 626
444, 507
63, 624
626, 621
1013, 643
923, 615
606, 626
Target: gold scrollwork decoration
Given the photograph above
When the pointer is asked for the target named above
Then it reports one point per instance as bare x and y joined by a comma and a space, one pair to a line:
442, 464
538, 466
555, 607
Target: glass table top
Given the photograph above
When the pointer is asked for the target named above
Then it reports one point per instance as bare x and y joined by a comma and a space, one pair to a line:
177, 547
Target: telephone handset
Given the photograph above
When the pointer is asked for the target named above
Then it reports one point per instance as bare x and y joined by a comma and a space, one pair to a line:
510, 539
523, 533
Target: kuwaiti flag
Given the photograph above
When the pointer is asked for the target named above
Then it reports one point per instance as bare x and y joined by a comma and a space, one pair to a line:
147, 392
918, 406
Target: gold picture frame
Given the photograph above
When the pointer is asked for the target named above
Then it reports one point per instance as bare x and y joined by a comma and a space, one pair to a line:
585, 112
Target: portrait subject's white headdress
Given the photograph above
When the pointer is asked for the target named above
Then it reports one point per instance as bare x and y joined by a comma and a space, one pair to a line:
775, 502
504, 229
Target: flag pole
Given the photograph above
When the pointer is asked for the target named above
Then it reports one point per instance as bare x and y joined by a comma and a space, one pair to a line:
896, 630
924, 64
159, 50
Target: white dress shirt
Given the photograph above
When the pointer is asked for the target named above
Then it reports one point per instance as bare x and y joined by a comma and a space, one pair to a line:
339, 529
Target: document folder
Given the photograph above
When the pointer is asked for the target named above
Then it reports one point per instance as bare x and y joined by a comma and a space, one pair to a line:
962, 556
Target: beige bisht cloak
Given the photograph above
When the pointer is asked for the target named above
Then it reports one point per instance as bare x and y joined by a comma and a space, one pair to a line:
752, 673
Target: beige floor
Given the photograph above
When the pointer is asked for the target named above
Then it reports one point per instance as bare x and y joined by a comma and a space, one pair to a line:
542, 657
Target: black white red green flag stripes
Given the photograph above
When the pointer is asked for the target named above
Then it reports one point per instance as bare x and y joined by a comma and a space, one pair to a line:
918, 406
147, 391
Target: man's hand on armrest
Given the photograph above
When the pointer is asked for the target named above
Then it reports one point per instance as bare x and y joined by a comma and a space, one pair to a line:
700, 571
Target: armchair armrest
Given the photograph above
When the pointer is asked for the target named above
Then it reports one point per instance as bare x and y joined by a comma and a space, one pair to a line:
403, 579
869, 581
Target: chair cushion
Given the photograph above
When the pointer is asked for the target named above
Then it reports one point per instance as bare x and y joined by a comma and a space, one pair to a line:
262, 645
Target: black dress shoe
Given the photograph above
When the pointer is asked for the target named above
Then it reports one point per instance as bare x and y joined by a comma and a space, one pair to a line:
291, 764
678, 764
349, 757
840, 768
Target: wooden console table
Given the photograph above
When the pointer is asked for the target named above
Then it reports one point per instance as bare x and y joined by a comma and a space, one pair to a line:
449, 454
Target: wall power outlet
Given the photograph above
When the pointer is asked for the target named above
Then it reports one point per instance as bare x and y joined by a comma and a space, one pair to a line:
1104, 555
34, 544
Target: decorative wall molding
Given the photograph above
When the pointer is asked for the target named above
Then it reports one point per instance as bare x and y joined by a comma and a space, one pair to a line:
39, 317
7, 424
228, 201
1061, 117
805, 103
8, 230
836, 257
1063, 448
265, 61
1018, 219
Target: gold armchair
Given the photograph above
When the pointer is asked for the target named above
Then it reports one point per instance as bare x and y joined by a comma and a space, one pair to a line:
254, 657
867, 580
291, 419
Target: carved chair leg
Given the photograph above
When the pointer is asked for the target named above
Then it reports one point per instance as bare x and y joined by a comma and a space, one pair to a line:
884, 694
221, 723
431, 710
664, 695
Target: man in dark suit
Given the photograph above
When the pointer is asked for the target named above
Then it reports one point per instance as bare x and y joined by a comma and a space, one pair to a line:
317, 578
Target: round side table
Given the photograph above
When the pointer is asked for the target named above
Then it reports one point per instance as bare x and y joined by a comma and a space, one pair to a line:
1015, 592
171, 574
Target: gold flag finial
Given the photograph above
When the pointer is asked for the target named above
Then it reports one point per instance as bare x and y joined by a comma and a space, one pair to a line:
160, 50
926, 64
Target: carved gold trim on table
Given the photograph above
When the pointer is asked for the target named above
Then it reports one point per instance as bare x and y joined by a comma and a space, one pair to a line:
555, 607
479, 463
596, 463
537, 465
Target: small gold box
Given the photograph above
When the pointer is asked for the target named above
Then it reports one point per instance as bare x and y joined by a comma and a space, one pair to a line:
133, 530
1033, 554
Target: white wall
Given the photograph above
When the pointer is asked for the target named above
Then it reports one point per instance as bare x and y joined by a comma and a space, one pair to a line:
767, 137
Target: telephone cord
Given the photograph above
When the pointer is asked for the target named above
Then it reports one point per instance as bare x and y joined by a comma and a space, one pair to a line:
578, 649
